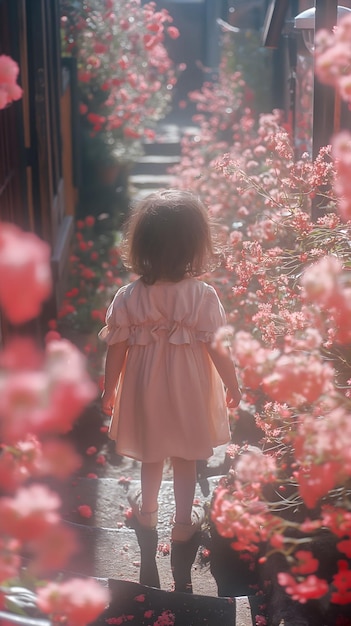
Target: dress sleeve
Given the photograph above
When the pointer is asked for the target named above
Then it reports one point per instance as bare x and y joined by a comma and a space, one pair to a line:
117, 321
211, 316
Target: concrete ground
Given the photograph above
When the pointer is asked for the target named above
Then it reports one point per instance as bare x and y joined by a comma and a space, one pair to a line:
109, 544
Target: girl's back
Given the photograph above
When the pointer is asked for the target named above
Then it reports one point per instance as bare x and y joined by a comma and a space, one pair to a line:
170, 399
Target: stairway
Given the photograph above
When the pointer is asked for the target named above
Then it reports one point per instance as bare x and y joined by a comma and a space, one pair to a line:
110, 544
151, 171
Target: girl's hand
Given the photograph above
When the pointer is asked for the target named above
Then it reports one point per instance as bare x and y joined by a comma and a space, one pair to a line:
107, 404
233, 400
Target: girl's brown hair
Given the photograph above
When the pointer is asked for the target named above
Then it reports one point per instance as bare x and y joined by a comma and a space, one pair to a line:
169, 236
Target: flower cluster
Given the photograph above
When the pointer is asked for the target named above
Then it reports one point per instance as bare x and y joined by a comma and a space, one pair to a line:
42, 394
333, 57
125, 74
95, 270
286, 285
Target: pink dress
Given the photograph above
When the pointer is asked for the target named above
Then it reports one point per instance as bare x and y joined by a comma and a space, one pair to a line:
170, 399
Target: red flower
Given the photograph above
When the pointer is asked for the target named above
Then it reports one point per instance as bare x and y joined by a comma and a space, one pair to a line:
345, 547
52, 335
91, 450
316, 481
342, 582
85, 511
131, 133
307, 564
310, 588
90, 221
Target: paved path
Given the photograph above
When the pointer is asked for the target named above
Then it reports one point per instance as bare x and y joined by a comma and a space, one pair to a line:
110, 547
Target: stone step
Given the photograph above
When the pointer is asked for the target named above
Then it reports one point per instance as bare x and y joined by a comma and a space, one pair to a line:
108, 500
108, 545
140, 605
167, 139
166, 148
136, 604
154, 163
115, 553
160, 181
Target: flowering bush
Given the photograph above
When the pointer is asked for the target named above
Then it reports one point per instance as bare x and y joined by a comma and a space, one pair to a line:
286, 283
41, 396
125, 75
95, 271
333, 57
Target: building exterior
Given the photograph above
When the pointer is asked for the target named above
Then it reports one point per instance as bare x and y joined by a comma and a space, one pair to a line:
38, 173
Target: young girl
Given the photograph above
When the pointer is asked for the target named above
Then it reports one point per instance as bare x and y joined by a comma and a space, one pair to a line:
170, 400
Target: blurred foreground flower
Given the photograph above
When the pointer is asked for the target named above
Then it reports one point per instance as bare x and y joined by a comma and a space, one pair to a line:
25, 277
76, 601
9, 90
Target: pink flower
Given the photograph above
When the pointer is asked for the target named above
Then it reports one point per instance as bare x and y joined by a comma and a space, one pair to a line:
71, 386
320, 281
44, 400
79, 601
25, 276
21, 353
173, 32
30, 513
10, 561
9, 90
254, 465
58, 458
298, 378
23, 404
12, 472
341, 152
52, 550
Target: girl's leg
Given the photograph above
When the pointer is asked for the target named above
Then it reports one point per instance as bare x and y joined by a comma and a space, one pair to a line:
184, 483
151, 477
184, 542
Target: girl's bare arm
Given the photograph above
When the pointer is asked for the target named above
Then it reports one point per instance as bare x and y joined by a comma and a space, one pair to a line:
226, 369
115, 358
